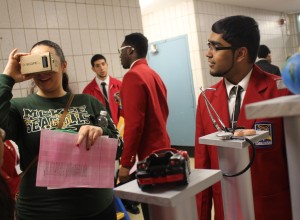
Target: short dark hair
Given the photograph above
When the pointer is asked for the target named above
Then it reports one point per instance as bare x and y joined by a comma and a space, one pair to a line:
263, 51
139, 42
97, 57
240, 31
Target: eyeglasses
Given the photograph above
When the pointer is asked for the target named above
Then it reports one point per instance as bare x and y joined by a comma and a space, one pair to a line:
122, 48
213, 46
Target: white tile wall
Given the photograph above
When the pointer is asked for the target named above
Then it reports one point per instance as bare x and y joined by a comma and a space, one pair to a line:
124, 3
71, 69
112, 39
27, 14
82, 16
118, 17
62, 15
1, 61
104, 41
39, 14
101, 18
15, 14
4, 21
86, 42
54, 35
89, 73
95, 41
42, 34
110, 21
76, 41
31, 38
6, 42
66, 43
51, 14
19, 39
126, 17
82, 28
72, 15
80, 68
91, 16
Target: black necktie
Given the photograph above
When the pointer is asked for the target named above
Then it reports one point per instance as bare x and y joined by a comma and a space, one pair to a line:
238, 100
103, 84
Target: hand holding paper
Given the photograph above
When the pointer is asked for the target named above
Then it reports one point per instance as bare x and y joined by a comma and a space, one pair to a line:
89, 135
63, 165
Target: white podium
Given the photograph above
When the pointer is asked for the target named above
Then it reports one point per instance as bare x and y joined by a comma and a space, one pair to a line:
174, 202
287, 107
236, 191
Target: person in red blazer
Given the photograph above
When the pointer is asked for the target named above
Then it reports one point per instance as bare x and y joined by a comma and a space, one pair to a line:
232, 50
144, 99
8, 169
113, 86
7, 201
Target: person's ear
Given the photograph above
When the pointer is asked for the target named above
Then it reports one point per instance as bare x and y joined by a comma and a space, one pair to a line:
242, 54
64, 66
131, 49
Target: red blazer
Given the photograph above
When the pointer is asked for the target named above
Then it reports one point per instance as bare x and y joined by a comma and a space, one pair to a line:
8, 169
114, 86
269, 172
144, 99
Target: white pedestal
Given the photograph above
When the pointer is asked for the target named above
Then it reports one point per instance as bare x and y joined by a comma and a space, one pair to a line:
287, 107
169, 201
236, 191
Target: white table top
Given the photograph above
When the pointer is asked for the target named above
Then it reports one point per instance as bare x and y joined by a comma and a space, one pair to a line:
277, 107
213, 140
170, 195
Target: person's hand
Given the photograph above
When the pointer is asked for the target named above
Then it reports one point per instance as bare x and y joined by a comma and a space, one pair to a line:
13, 68
91, 133
117, 97
124, 174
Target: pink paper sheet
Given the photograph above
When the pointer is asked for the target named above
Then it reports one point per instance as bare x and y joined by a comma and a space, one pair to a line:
64, 165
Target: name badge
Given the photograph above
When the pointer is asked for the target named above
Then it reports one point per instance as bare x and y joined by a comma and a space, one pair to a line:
264, 126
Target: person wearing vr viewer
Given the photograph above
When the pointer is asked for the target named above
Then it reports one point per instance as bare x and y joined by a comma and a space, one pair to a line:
24, 118
232, 50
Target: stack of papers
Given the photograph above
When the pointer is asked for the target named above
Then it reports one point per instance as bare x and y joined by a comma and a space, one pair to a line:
63, 164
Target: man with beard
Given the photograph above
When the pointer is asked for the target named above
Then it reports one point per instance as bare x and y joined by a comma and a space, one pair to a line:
104, 87
232, 50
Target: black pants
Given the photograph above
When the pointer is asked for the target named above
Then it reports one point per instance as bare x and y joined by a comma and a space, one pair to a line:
108, 214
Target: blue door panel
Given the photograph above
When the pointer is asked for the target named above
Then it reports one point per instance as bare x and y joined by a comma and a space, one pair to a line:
172, 63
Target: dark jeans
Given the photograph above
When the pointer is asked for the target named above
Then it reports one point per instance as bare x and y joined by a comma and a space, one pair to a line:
109, 213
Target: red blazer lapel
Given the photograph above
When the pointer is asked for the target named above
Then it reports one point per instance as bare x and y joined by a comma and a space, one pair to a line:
220, 102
